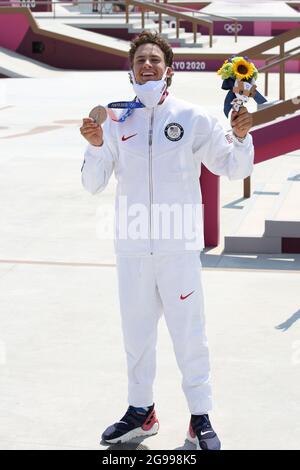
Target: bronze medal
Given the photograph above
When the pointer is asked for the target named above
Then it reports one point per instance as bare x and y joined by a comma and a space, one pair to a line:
98, 114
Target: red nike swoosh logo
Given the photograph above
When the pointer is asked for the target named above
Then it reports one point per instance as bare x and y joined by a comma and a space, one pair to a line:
186, 296
129, 137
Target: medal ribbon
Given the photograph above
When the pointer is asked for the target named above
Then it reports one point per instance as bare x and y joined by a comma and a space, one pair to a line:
128, 105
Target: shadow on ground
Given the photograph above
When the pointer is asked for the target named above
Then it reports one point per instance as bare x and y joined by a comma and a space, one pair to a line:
136, 444
289, 322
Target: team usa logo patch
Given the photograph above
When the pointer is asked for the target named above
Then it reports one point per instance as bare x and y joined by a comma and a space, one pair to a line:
174, 131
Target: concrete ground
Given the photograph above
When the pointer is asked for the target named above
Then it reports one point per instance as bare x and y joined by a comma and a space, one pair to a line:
62, 366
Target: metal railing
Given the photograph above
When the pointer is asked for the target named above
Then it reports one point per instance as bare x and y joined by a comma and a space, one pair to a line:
210, 15
279, 60
256, 52
163, 10
103, 7
263, 116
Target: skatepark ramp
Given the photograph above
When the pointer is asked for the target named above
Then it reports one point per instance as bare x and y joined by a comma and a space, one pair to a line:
270, 222
58, 44
15, 65
271, 138
72, 46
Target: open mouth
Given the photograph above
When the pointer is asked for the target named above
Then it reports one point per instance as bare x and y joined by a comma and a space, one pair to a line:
147, 75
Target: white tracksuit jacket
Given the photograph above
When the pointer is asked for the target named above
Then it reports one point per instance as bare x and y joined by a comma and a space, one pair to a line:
156, 156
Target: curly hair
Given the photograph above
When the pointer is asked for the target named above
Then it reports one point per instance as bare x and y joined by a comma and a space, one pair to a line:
146, 37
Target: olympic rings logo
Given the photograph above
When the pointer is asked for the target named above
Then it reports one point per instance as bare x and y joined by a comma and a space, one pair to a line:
230, 28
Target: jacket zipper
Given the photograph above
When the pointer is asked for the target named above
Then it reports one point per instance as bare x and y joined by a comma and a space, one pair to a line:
150, 180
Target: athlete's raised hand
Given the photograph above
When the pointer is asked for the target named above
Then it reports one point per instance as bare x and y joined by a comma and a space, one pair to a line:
92, 132
241, 122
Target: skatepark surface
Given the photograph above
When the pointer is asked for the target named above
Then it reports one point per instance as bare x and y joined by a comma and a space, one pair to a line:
62, 367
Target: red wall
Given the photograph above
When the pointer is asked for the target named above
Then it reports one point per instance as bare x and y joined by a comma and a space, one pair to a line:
13, 28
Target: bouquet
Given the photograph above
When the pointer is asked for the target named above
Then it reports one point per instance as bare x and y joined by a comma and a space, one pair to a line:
239, 76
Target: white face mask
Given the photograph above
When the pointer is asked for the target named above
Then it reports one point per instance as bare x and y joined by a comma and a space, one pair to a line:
150, 93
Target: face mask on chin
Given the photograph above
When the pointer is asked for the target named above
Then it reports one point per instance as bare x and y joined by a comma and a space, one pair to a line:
150, 93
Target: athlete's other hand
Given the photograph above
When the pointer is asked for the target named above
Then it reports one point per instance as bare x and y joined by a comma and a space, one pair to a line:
92, 132
241, 122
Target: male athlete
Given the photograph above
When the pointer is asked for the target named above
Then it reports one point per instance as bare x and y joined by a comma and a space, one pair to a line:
155, 151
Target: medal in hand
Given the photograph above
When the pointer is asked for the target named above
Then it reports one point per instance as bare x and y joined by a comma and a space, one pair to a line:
98, 114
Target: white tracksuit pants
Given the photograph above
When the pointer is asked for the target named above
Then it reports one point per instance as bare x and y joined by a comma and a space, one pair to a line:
171, 283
